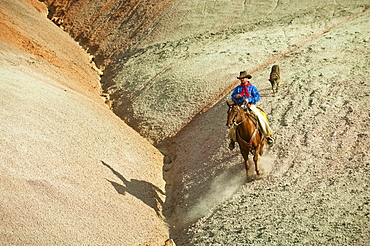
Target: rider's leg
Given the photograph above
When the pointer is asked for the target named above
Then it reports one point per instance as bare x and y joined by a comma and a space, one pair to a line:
267, 132
232, 145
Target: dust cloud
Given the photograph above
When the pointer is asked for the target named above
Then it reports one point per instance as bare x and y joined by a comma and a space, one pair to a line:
222, 187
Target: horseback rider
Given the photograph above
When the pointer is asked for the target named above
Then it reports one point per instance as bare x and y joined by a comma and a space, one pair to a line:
246, 95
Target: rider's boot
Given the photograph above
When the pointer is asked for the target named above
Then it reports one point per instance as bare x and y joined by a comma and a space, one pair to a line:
231, 145
270, 139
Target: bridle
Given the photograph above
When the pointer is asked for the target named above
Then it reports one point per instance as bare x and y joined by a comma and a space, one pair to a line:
236, 115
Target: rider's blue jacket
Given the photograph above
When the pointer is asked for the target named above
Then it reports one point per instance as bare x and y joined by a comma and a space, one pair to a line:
252, 92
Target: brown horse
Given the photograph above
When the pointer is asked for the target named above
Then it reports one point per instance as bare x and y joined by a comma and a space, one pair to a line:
249, 138
275, 78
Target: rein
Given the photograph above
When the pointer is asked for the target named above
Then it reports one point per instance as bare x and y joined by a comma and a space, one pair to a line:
236, 123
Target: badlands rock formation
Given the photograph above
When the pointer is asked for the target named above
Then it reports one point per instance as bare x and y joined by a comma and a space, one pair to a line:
168, 69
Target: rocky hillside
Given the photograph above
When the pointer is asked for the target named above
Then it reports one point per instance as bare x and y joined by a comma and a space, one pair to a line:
72, 173
168, 68
164, 69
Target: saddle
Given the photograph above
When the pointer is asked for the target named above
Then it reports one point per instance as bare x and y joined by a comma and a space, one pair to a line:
246, 109
249, 113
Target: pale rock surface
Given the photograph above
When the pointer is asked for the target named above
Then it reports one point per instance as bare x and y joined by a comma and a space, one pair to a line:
72, 173
169, 75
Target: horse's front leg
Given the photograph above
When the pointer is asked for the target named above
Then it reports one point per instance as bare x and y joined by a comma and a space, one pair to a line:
256, 159
245, 154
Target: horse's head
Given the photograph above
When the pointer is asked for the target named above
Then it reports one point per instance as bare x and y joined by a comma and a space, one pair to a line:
234, 114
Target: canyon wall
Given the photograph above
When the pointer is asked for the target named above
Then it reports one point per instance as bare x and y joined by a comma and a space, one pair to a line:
72, 173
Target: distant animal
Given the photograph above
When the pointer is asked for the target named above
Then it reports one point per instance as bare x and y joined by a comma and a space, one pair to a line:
275, 78
248, 136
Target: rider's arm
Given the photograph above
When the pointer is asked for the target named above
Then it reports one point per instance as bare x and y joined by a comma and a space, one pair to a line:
254, 94
235, 92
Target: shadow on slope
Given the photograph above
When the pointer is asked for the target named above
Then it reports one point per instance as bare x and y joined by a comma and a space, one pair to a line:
141, 189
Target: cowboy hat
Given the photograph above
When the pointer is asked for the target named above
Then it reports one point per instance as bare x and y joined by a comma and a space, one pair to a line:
244, 74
